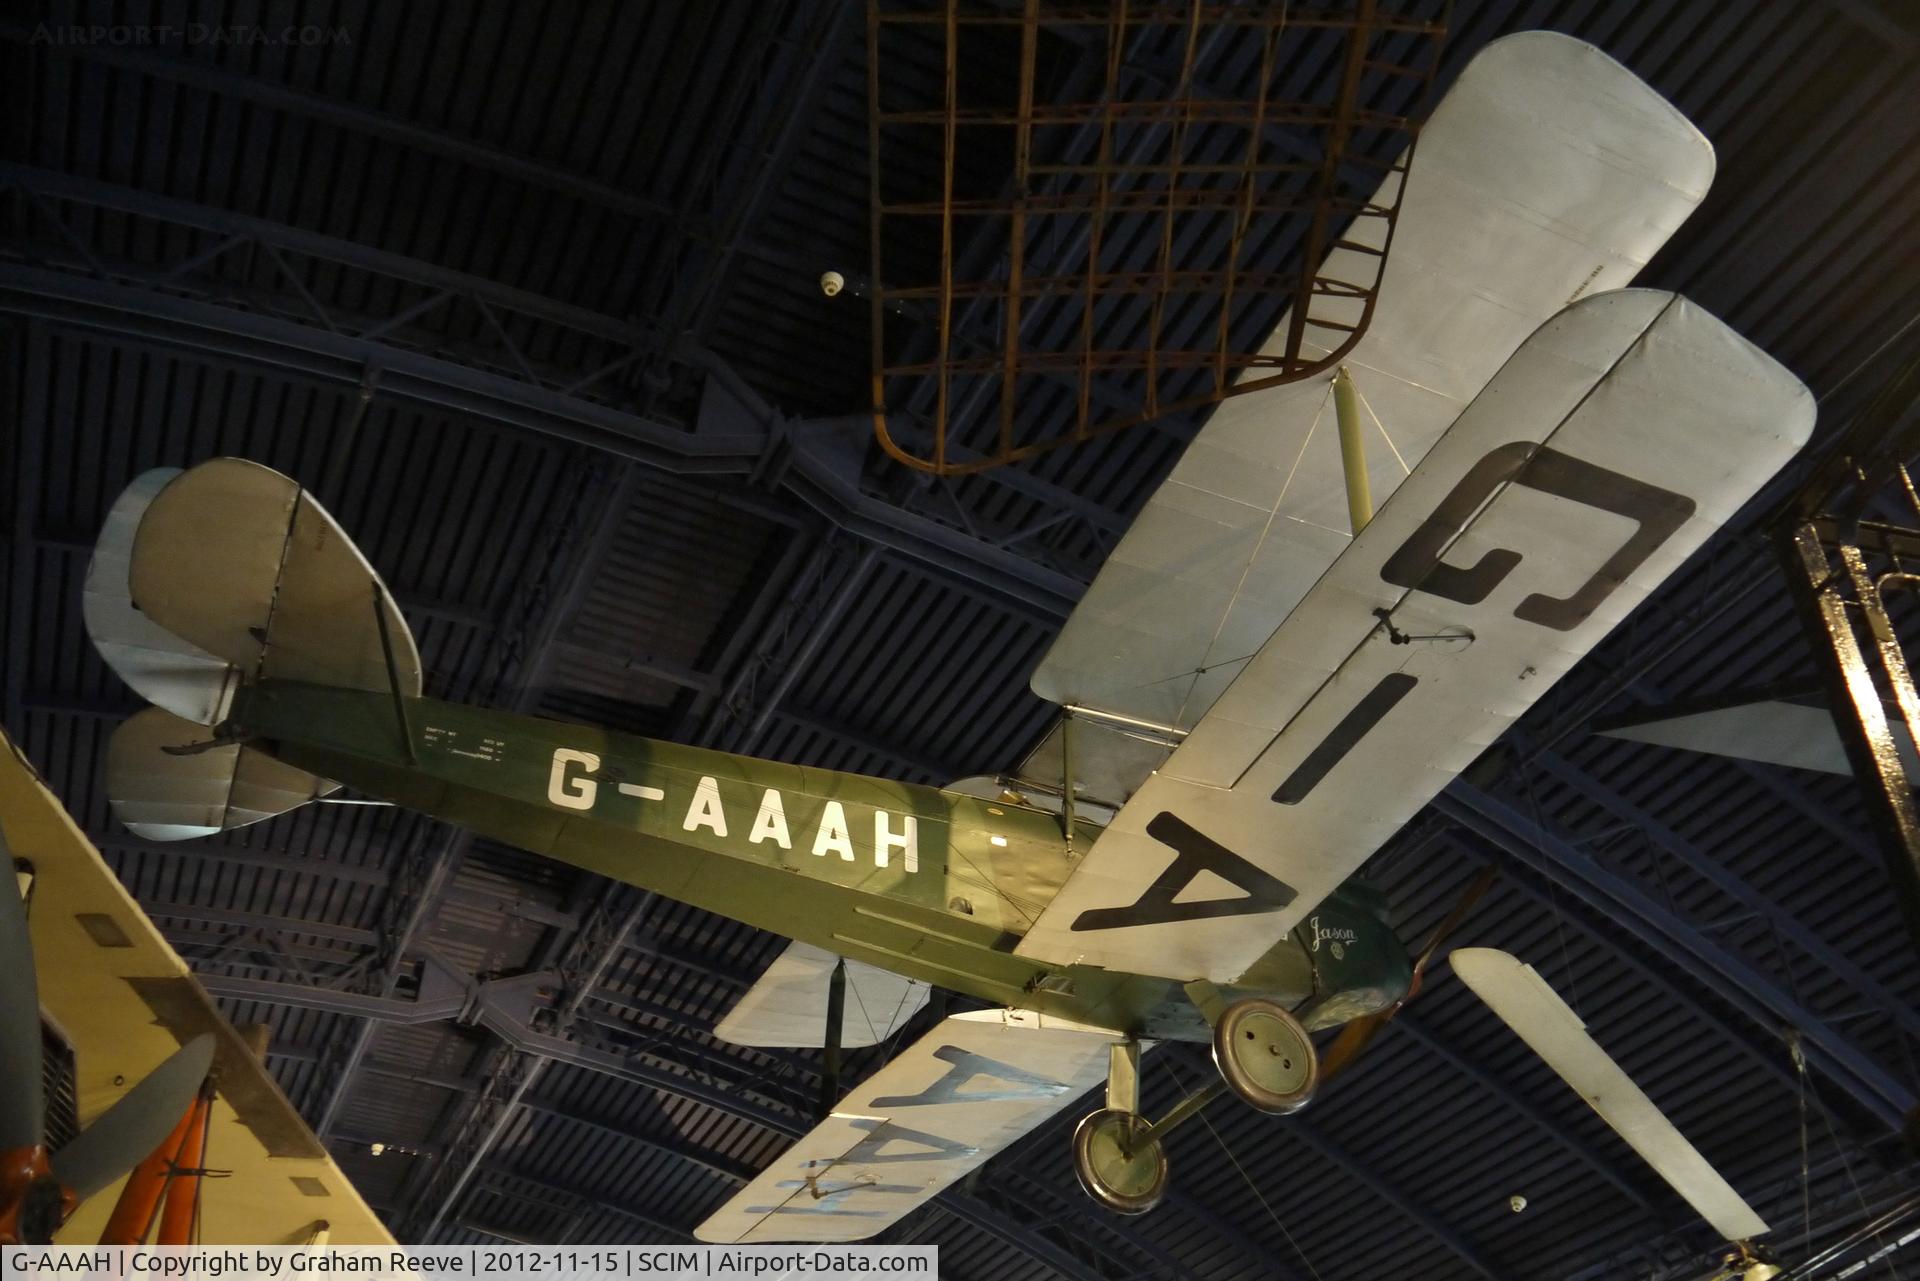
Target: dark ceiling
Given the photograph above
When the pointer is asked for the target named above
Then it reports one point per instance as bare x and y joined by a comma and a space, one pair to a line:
526, 292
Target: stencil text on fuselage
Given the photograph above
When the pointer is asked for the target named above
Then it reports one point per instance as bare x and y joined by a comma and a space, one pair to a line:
571, 785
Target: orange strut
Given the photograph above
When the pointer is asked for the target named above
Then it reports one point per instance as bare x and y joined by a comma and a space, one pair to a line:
133, 1212
183, 1193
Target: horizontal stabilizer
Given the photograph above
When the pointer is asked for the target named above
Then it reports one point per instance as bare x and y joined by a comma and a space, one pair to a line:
159, 666
788, 1005
167, 795
966, 1090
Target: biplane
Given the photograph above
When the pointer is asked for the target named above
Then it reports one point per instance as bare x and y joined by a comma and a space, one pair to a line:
1267, 679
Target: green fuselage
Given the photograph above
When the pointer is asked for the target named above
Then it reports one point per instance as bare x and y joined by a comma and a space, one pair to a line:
933, 885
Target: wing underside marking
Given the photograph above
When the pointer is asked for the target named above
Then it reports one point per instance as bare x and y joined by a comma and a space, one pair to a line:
943, 1107
1615, 441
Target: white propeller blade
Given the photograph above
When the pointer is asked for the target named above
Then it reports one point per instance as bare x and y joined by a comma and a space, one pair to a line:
1525, 1002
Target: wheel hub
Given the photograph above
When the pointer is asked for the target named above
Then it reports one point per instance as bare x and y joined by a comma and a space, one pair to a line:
1265, 1055
1120, 1162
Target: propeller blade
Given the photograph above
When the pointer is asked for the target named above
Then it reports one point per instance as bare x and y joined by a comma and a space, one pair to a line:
1359, 1033
22, 1106
133, 1127
1524, 1001
1442, 932
1353, 1038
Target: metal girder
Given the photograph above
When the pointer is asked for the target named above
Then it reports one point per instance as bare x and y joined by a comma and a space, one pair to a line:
360, 1005
582, 965
342, 113
785, 117
813, 475
1705, 866
1433, 1043
1305, 1133
568, 1197
28, 441
279, 862
1833, 601
351, 936
1734, 981
447, 287
568, 1114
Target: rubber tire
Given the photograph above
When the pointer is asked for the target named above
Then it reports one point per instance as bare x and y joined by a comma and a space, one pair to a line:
1095, 1149
1256, 1026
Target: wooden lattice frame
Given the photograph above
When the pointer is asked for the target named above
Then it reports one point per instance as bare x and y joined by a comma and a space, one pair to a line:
1042, 307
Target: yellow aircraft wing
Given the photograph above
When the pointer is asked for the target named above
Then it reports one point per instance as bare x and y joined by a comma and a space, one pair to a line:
125, 1001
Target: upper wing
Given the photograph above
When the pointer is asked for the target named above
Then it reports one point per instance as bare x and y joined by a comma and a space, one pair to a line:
125, 1001
1548, 173
950, 1101
1617, 439
787, 1005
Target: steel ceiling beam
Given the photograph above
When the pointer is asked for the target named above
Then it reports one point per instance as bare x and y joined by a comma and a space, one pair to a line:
279, 862
1433, 1043
30, 432
1308, 1135
360, 1005
812, 473
342, 113
1759, 1046
565, 1113
584, 961
311, 352
784, 121
1730, 978
568, 1197
1711, 870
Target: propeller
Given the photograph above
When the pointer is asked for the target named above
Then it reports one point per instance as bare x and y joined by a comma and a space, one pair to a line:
1524, 1001
1359, 1033
37, 1190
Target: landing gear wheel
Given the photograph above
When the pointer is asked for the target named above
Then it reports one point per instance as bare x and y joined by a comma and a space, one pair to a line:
1265, 1056
1119, 1164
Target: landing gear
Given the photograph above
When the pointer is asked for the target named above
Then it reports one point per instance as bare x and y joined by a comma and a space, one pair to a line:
1265, 1056
1117, 1154
1120, 1160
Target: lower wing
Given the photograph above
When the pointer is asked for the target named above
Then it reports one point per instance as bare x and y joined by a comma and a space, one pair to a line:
945, 1106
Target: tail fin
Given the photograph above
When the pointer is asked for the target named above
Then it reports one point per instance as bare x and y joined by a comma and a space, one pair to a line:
210, 578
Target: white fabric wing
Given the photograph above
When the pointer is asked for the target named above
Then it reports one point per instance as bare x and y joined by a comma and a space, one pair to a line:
787, 1005
1616, 440
1548, 173
946, 1105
